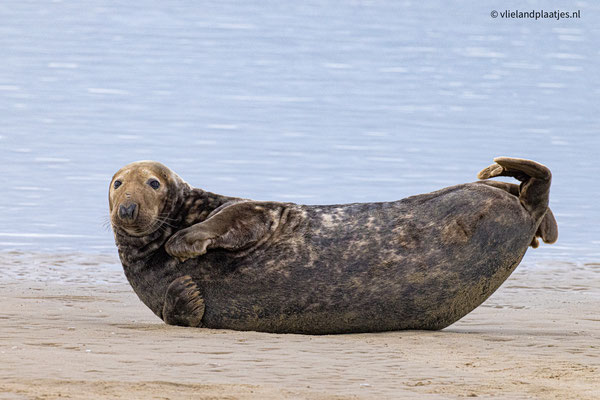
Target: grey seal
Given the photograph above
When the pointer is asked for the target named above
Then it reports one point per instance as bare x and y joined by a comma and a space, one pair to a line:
201, 259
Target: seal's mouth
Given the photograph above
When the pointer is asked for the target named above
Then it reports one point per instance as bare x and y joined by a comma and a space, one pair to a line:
136, 229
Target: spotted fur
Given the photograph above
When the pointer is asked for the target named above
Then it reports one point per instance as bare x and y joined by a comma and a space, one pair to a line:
418, 263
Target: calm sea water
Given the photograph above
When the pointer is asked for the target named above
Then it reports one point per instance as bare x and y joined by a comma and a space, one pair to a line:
312, 102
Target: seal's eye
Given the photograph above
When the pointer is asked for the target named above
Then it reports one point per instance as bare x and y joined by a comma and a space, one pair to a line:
154, 183
117, 184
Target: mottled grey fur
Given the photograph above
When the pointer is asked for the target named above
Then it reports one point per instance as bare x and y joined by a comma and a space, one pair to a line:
418, 263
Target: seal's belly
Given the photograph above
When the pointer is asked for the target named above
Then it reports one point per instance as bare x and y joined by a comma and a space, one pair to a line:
419, 263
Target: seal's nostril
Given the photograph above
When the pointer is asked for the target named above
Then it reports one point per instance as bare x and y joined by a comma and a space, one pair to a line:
127, 212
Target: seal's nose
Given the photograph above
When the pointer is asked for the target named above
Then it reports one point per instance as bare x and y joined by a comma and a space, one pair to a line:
128, 212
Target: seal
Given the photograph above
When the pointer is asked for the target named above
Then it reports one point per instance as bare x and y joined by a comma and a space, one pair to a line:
201, 259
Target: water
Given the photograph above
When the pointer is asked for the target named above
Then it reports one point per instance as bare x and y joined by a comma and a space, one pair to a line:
311, 102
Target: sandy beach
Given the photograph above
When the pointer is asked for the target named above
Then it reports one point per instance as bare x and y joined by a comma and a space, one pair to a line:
310, 102
71, 327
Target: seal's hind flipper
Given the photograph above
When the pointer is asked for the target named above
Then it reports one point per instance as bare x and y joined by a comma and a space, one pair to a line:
534, 190
183, 305
509, 187
518, 168
490, 172
548, 229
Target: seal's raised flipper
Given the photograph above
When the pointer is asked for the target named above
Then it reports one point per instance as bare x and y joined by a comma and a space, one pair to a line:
184, 306
519, 168
548, 229
235, 227
533, 192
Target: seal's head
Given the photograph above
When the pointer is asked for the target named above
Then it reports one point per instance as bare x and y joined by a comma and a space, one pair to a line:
140, 196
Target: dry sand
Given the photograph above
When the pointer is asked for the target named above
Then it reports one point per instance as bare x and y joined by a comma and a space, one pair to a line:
71, 327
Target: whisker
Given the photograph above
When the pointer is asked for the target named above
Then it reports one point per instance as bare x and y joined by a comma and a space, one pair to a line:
162, 228
106, 222
163, 222
165, 217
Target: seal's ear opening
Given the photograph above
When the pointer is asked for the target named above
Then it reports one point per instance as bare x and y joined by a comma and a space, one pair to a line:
166, 175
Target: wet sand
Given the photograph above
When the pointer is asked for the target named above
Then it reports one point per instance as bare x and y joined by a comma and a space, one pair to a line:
71, 327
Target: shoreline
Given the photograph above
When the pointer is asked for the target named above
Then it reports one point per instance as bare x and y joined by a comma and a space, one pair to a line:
72, 327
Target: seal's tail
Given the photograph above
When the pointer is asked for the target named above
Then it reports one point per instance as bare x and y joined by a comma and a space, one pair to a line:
533, 192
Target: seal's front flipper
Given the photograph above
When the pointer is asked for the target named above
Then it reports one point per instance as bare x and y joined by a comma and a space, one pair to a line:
235, 227
184, 306
188, 243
